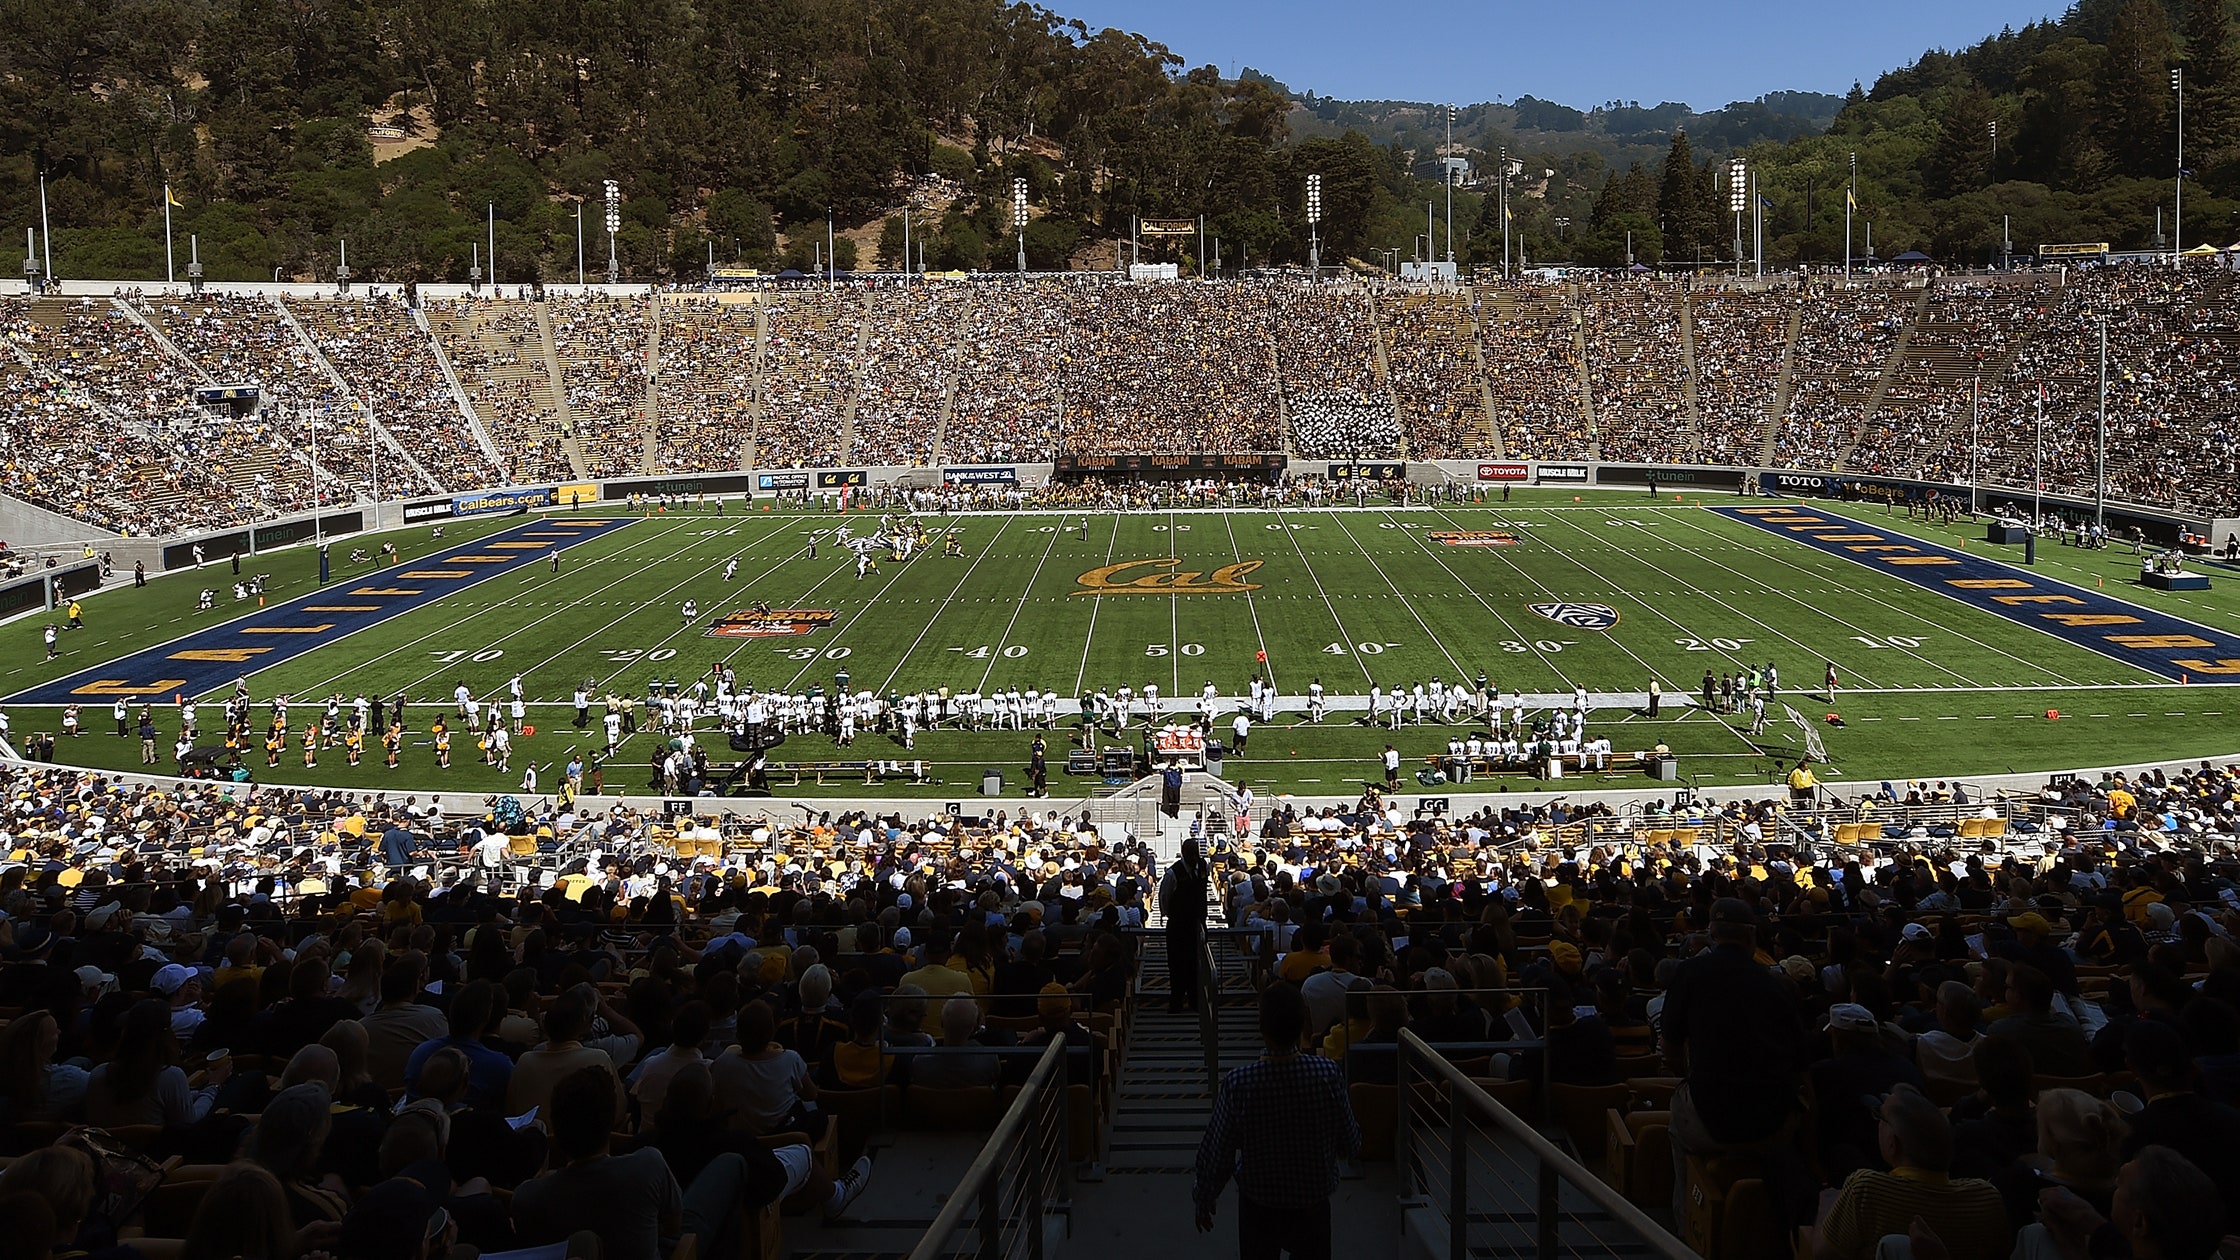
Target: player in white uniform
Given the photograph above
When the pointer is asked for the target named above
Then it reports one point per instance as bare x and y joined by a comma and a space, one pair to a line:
730, 568
1315, 701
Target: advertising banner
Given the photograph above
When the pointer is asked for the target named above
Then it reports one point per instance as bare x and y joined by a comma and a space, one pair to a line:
502, 501
1375, 471
1504, 472
1572, 473
838, 478
781, 481
980, 476
427, 510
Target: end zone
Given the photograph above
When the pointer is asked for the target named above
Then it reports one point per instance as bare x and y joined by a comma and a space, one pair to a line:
2163, 645
205, 660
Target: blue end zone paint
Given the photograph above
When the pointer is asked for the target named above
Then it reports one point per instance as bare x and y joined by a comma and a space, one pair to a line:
2163, 645
207, 660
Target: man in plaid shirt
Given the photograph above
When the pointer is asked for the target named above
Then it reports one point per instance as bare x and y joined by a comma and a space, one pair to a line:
1280, 1127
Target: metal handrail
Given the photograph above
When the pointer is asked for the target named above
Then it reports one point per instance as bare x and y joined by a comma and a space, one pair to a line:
979, 1191
1465, 1097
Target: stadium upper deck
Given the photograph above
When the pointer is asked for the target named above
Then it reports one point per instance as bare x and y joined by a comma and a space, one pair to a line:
1941, 380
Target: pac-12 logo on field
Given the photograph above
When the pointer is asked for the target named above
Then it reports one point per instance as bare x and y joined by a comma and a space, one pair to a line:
777, 623
1578, 616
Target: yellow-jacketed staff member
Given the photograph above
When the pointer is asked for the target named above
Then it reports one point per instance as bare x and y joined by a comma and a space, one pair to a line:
1801, 784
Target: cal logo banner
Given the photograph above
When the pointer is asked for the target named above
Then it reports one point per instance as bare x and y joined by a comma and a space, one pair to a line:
1474, 538
1578, 616
775, 624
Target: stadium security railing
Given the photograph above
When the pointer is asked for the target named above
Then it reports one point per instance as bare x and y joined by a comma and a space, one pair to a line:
1478, 1180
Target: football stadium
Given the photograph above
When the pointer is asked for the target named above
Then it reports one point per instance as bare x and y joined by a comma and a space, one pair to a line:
954, 639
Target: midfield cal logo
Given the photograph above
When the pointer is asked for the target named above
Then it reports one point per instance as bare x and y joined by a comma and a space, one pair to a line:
1229, 579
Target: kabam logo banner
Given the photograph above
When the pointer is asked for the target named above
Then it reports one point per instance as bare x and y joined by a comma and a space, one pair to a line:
776, 623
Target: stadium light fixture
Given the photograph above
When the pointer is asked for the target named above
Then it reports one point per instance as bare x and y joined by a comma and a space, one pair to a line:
614, 226
1738, 200
1314, 221
1019, 219
2178, 217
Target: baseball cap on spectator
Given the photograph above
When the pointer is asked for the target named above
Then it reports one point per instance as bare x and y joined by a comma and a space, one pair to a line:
1917, 932
902, 938
2033, 923
1850, 1017
93, 977
1799, 969
171, 978
100, 917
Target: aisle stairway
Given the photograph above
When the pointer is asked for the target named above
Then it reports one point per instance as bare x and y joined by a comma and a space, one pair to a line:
1142, 1204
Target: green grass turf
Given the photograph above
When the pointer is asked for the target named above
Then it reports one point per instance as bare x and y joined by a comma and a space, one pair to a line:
1931, 687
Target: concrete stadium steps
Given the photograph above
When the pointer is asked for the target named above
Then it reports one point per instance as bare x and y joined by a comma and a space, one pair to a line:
499, 350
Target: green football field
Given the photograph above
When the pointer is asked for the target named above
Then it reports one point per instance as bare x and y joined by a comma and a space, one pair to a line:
1071, 602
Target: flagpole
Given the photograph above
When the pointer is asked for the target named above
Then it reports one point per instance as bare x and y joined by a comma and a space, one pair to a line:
168, 277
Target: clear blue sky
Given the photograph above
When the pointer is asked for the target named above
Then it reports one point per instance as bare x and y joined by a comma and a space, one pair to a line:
1580, 53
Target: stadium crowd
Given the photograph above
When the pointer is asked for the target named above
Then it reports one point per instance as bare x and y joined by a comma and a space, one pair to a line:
1881, 376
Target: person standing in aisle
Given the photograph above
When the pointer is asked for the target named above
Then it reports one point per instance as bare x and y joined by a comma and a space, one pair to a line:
1280, 1128
1182, 900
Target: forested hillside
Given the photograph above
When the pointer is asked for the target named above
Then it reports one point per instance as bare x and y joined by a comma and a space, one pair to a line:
283, 126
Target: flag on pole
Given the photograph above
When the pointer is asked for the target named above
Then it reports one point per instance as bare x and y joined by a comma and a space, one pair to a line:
170, 200
1764, 202
1850, 200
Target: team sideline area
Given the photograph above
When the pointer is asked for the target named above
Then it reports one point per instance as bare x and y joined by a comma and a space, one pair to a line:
1302, 643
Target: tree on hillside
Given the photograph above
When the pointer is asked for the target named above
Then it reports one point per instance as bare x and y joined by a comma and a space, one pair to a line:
2059, 144
1961, 160
2212, 81
1682, 208
2133, 90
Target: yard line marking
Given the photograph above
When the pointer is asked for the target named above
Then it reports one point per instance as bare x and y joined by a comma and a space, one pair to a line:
1809, 649
1616, 642
1460, 672
1089, 639
1005, 640
930, 619
1266, 662
632, 608
1696, 524
1417, 537
1343, 635
401, 650
1174, 608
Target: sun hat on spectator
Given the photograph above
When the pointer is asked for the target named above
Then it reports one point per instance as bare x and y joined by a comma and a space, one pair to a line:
1850, 1017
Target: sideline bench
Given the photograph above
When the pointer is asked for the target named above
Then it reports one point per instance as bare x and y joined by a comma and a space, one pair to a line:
869, 771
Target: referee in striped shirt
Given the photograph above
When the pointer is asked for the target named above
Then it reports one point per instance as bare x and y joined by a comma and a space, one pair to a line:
1280, 1128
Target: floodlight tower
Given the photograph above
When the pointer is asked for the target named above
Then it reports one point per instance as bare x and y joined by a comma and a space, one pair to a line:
1738, 195
1019, 219
1314, 220
614, 225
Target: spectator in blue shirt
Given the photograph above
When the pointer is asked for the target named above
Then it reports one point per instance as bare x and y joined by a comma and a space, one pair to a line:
475, 1012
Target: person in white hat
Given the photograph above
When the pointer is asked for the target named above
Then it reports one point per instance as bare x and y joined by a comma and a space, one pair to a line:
182, 987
